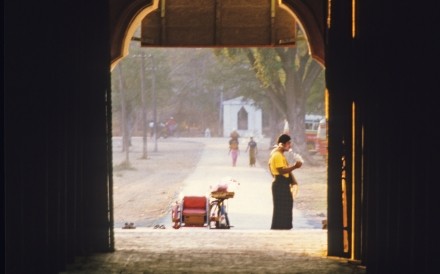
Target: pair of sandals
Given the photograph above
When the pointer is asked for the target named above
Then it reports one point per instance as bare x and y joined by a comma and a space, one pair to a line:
129, 226
159, 226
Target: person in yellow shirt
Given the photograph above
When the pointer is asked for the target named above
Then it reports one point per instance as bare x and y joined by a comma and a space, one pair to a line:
283, 179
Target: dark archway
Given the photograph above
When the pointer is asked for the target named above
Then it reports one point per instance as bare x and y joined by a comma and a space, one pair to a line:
304, 14
365, 71
129, 18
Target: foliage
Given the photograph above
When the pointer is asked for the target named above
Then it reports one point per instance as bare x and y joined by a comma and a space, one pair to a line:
153, 60
190, 84
292, 81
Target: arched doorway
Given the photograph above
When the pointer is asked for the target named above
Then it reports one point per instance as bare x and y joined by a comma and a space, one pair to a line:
130, 18
242, 118
121, 49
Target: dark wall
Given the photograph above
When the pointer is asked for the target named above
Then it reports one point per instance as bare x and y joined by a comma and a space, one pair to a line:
56, 82
385, 72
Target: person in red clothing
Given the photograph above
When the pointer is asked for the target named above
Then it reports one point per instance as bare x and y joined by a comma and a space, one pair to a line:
234, 150
171, 126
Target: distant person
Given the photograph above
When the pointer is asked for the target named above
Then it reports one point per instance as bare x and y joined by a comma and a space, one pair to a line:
281, 186
234, 150
252, 148
234, 134
171, 126
207, 132
151, 126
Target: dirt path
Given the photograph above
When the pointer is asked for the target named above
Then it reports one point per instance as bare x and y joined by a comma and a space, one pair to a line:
144, 192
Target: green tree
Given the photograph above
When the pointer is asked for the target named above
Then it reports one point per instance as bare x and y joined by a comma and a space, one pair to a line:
195, 98
201, 80
288, 76
132, 93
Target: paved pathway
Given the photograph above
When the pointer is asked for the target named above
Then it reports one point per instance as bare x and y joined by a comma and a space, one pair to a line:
251, 207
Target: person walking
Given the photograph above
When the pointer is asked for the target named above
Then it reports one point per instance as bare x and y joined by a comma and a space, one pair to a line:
283, 180
252, 148
234, 134
234, 150
171, 126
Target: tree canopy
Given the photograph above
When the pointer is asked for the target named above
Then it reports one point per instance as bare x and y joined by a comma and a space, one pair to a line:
190, 84
292, 82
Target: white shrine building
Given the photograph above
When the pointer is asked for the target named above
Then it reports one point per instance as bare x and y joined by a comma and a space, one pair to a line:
242, 116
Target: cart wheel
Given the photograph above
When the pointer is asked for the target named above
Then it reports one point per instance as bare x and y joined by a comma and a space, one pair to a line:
228, 225
214, 211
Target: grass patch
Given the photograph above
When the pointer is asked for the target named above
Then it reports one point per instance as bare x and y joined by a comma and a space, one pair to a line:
125, 165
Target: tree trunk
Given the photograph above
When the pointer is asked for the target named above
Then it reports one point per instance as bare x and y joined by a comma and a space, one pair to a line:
124, 122
144, 111
295, 109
